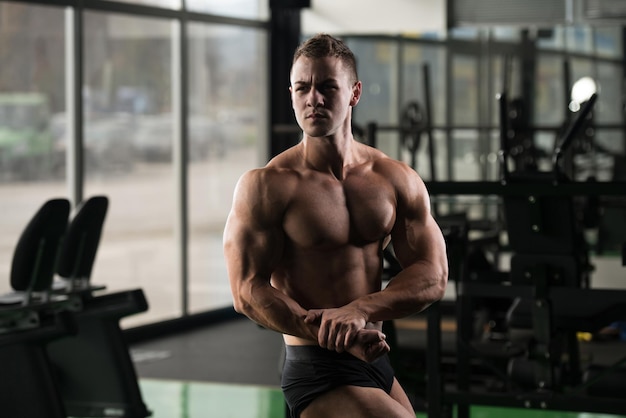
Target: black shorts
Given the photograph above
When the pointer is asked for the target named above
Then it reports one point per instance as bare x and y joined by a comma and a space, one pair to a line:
310, 371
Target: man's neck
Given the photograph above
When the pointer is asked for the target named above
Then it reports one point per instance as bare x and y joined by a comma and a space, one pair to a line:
329, 154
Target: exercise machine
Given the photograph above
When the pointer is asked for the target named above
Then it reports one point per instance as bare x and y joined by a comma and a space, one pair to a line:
548, 285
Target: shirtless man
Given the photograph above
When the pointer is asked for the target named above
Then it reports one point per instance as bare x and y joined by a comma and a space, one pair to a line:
304, 241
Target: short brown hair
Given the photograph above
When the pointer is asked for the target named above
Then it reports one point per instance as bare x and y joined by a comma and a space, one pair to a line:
324, 45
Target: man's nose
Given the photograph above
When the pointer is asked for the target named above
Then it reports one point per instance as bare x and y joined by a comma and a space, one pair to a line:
315, 98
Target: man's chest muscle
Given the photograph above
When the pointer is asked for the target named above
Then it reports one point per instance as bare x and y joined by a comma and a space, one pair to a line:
332, 213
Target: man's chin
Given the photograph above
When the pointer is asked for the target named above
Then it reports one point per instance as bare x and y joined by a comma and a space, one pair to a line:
316, 133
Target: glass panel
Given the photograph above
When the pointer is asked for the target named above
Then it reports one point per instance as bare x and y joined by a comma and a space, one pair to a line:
466, 158
581, 67
518, 106
377, 67
464, 32
598, 161
570, 38
608, 41
417, 59
170, 4
551, 39
578, 39
377, 70
608, 77
550, 105
32, 93
414, 59
504, 33
513, 87
228, 136
246, 9
609, 110
465, 89
128, 146
423, 165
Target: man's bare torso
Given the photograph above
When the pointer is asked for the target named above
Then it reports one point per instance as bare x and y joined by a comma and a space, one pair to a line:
334, 230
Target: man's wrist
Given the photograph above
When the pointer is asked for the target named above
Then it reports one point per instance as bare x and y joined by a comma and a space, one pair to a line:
361, 311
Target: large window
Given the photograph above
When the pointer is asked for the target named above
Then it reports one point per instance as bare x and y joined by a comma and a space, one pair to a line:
129, 143
250, 9
468, 70
425, 63
227, 126
138, 66
377, 68
32, 86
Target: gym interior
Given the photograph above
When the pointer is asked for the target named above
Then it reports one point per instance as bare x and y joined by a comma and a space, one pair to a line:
125, 125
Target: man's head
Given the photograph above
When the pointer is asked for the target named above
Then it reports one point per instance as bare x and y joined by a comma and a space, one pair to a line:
323, 45
324, 86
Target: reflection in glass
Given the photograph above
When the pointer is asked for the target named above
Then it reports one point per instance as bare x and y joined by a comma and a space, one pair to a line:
377, 66
169, 4
227, 129
246, 9
550, 103
465, 87
32, 92
128, 135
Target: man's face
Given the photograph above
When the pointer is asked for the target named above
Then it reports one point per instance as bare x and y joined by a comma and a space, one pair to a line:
322, 93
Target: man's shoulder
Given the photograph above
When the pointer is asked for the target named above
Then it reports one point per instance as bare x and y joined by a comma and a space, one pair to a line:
266, 178
277, 177
266, 191
404, 178
391, 167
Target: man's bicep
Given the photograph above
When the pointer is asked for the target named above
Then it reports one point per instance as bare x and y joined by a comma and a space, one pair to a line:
416, 235
252, 237
416, 241
251, 250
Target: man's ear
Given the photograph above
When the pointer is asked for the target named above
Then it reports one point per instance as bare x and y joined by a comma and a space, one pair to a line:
356, 93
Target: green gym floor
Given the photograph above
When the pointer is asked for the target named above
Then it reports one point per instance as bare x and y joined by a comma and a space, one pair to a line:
179, 399
231, 370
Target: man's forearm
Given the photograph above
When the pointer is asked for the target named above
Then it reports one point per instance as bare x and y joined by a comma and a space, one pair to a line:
276, 311
404, 295
272, 309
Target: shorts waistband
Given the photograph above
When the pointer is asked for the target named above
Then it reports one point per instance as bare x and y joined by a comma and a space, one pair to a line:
308, 352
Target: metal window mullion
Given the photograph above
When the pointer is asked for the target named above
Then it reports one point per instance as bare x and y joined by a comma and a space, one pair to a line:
400, 100
180, 114
74, 106
449, 113
482, 68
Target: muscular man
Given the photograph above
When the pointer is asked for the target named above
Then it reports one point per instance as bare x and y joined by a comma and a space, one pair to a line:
304, 241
